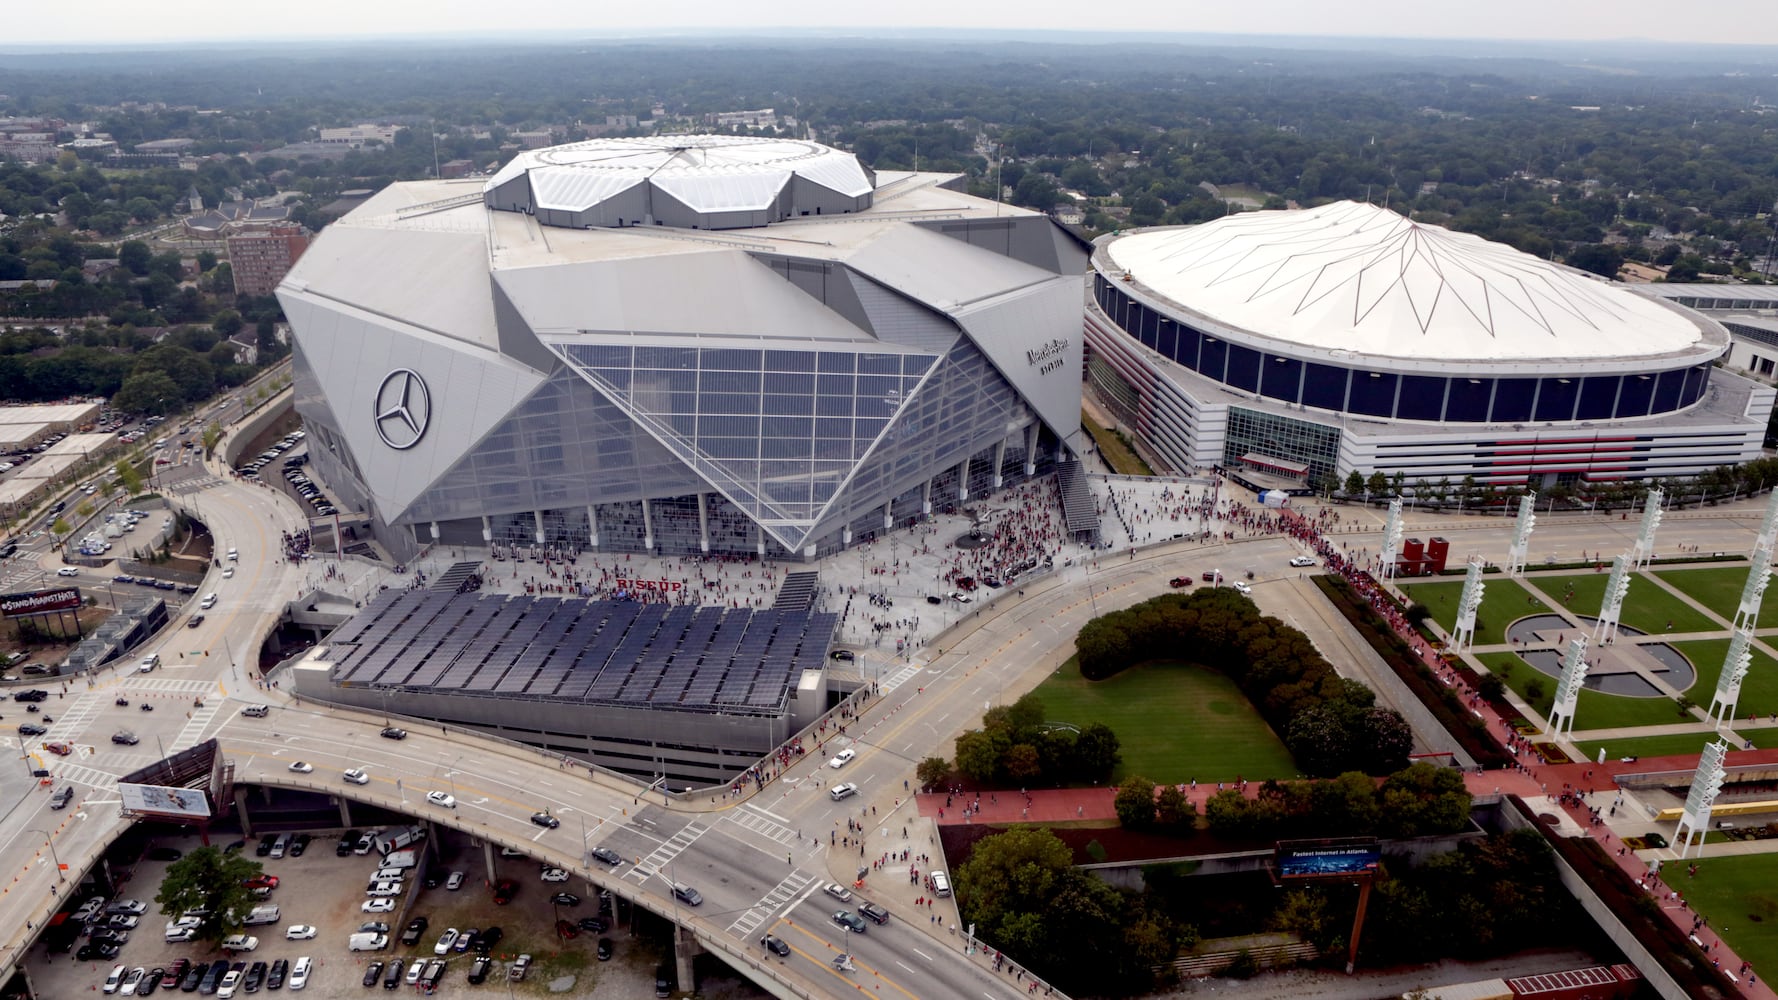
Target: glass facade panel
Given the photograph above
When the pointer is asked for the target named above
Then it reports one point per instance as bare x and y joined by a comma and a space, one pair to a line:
1372, 393
1512, 399
1667, 391
1422, 397
1282, 378
1325, 386
1637, 392
1556, 398
1213, 357
1278, 436
1598, 394
1243, 368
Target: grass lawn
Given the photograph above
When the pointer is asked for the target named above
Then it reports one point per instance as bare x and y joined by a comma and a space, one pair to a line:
1176, 721
1595, 710
1759, 689
1667, 746
1740, 896
1503, 602
1116, 452
1719, 589
1647, 606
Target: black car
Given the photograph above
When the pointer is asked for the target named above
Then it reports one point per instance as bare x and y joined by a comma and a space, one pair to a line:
348, 841
255, 977
164, 854
235, 845
150, 982
213, 977
434, 879
373, 972
97, 950
595, 925
194, 621
393, 733
392, 975
478, 970
608, 855
565, 899
776, 946
31, 729
489, 939
544, 819
193, 976
663, 980
265, 845
125, 738
605, 949
415, 928
874, 913
298, 844
280, 969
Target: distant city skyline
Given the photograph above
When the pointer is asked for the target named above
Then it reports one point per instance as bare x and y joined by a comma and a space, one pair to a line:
125, 22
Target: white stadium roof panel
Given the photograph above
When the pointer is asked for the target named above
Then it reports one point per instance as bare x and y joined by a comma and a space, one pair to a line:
573, 191
725, 192
1358, 278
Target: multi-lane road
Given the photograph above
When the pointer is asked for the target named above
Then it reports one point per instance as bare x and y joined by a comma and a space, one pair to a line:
760, 863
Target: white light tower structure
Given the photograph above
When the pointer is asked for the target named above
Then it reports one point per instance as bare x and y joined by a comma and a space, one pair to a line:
1768, 529
1734, 671
1574, 674
1753, 592
1515, 556
1651, 522
1463, 635
1694, 821
1392, 532
1616, 589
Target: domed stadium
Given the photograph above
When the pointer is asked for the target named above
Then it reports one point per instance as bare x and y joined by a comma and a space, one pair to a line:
1286, 346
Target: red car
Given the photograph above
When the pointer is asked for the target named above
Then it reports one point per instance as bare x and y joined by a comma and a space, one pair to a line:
262, 882
504, 890
1180, 581
59, 749
566, 931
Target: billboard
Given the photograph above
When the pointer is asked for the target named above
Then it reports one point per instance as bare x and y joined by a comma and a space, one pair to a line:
190, 803
1328, 861
39, 602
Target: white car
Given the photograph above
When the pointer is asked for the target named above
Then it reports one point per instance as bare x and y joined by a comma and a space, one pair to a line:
299, 932
554, 875
445, 799
1242, 588
383, 888
227, 572
114, 981
68, 571
445, 940
842, 758
133, 980
455, 882
240, 942
299, 973
377, 906
180, 935
1302, 560
230, 983
838, 892
301, 766
356, 776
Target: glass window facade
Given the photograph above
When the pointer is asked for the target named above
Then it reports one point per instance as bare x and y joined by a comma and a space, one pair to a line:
1402, 396
1312, 444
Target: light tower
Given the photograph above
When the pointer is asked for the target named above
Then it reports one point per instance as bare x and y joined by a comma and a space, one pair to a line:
1574, 674
1392, 532
1753, 592
1706, 783
1463, 635
1734, 671
1768, 529
1515, 556
1651, 522
1616, 589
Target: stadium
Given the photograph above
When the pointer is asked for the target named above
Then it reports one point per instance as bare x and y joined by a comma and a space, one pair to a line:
1287, 346
682, 345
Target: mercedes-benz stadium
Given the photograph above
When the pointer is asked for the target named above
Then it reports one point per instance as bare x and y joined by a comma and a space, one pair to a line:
682, 344
1297, 344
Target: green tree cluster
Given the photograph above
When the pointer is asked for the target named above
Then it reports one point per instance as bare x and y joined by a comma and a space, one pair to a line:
1329, 723
1489, 897
1419, 800
212, 883
1016, 747
1143, 805
1024, 897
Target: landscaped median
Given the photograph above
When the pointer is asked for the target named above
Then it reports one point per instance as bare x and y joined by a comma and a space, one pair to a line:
1470, 732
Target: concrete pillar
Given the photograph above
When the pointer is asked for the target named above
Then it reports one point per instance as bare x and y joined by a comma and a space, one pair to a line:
537, 519
963, 480
592, 523
846, 535
647, 528
490, 857
926, 498
704, 522
1031, 449
345, 811
685, 948
888, 514
241, 811
434, 526
759, 540
999, 460
487, 529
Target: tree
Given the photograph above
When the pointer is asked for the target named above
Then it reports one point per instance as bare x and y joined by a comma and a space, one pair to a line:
133, 256
932, 772
1490, 687
147, 392
85, 510
1096, 752
212, 434
1011, 873
213, 883
1135, 803
1423, 799
1173, 811
60, 528
128, 477
1021, 763
1377, 484
979, 752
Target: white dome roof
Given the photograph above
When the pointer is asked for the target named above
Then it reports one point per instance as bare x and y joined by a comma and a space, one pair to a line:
1354, 277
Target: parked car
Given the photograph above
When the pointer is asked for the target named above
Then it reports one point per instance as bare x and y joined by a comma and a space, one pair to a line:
478, 970
372, 973
445, 940
565, 899
519, 967
410, 935
605, 949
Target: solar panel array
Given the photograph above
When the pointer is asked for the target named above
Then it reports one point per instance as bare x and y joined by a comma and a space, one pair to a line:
705, 659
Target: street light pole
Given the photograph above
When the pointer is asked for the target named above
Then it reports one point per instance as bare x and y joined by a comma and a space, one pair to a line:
47, 839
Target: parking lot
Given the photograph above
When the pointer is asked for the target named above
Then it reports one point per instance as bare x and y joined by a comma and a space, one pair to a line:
326, 891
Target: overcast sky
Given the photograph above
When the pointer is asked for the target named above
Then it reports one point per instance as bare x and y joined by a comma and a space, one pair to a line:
112, 22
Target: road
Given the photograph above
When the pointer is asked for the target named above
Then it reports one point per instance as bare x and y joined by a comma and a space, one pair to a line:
759, 864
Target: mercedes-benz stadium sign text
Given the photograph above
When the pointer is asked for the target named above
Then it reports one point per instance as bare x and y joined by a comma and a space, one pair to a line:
1049, 357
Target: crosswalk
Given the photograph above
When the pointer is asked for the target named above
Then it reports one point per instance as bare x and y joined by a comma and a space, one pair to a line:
73, 718
193, 733
770, 903
80, 774
167, 685
657, 860
749, 817
900, 677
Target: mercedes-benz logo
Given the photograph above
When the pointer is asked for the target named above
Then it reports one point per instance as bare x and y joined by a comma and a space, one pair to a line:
403, 409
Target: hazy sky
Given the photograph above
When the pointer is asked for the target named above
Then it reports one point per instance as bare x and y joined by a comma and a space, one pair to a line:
112, 22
